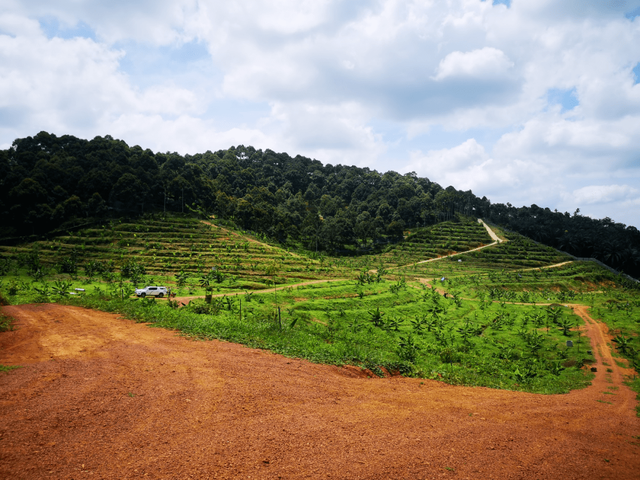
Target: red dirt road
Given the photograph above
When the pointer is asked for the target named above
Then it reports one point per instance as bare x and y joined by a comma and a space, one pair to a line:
103, 397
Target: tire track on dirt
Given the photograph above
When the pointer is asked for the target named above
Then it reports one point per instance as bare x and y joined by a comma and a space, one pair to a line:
598, 333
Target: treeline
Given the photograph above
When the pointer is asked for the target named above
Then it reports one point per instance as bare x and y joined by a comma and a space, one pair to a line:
50, 182
614, 244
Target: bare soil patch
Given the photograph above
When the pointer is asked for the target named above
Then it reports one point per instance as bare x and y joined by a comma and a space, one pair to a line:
103, 397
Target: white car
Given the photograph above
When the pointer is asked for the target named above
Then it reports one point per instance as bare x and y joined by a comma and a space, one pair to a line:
152, 292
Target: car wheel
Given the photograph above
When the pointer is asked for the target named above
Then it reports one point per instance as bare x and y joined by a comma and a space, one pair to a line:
143, 295
160, 295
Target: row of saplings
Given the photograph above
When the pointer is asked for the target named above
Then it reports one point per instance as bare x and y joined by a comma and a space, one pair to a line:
452, 345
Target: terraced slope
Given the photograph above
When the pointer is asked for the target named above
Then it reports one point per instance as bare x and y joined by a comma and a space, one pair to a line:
437, 241
174, 244
517, 253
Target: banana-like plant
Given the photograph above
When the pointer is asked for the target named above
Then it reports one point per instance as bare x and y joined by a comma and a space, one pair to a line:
394, 324
534, 341
376, 317
624, 343
42, 291
418, 324
565, 325
408, 349
61, 288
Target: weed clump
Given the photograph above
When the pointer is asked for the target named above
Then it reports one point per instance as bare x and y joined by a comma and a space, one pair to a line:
6, 323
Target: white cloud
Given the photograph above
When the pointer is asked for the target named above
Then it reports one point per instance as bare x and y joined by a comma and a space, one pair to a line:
317, 130
184, 134
157, 22
74, 86
467, 167
58, 83
485, 63
169, 99
604, 194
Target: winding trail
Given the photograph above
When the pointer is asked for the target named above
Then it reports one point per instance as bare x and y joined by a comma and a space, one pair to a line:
556, 265
492, 234
104, 397
609, 375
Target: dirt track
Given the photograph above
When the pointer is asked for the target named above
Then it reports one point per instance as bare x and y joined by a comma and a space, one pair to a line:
103, 397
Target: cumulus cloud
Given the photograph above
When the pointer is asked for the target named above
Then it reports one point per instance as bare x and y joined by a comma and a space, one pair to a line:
484, 63
157, 22
76, 86
604, 194
599, 201
466, 166
56, 82
184, 134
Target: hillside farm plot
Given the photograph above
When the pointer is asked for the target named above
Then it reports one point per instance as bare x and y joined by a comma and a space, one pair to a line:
437, 241
518, 253
580, 281
566, 282
173, 251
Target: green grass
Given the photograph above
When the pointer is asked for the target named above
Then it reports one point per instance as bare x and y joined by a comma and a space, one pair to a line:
8, 368
5, 323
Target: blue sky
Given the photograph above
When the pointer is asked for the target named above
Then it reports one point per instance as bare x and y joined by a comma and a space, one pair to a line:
522, 101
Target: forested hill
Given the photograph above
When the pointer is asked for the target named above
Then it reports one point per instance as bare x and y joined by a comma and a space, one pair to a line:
50, 182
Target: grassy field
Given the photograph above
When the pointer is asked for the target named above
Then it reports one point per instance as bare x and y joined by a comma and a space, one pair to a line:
495, 317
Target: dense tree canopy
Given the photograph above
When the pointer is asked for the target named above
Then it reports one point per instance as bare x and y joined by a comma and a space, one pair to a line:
51, 181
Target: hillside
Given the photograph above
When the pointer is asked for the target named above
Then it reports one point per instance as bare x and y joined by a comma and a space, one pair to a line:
164, 246
56, 184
